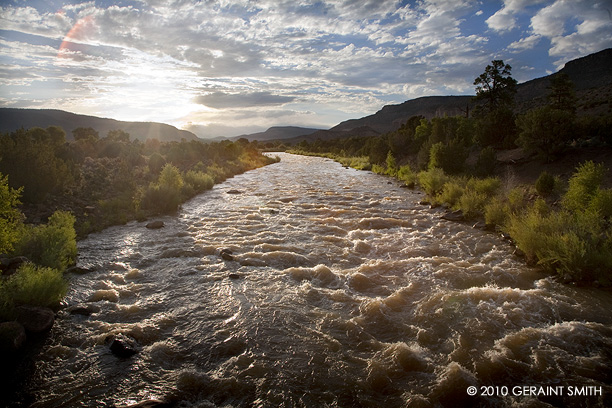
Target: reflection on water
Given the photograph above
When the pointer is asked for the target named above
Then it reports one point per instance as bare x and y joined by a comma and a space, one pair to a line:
341, 291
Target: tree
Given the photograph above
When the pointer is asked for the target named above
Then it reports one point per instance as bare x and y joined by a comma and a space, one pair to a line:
545, 131
495, 88
11, 219
562, 95
88, 133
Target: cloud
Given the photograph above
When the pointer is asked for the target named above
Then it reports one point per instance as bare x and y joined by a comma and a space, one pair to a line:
220, 100
505, 18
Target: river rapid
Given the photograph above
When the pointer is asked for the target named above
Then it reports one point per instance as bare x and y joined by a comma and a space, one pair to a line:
343, 291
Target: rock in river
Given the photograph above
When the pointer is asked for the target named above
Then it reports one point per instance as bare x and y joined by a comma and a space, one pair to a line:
35, 319
12, 337
155, 225
122, 346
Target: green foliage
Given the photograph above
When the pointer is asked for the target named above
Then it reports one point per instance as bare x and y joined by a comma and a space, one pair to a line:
516, 199
11, 219
450, 157
198, 180
495, 86
34, 285
496, 128
52, 244
583, 186
545, 184
496, 212
433, 181
488, 186
29, 158
562, 93
486, 162
545, 131
391, 165
406, 175
472, 203
451, 193
601, 203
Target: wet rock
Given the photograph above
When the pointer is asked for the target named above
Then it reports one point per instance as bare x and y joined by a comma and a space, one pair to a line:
226, 254
234, 192
12, 337
79, 270
424, 202
83, 310
233, 276
453, 216
9, 266
35, 319
122, 346
155, 225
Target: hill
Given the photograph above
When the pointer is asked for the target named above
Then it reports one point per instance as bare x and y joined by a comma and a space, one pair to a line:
592, 77
12, 119
278, 133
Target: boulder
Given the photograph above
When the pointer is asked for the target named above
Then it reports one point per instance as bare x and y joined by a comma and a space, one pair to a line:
10, 265
152, 403
35, 319
226, 254
79, 270
234, 276
453, 216
234, 192
122, 346
83, 309
155, 225
12, 337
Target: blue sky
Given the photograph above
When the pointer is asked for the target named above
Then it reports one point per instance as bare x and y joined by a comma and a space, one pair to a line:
228, 67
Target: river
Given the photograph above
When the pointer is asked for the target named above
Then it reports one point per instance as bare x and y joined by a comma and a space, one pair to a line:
343, 291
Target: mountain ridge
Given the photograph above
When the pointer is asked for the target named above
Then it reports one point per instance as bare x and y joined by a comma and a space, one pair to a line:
12, 119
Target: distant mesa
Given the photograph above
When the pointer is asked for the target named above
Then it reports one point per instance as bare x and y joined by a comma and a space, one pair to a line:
12, 119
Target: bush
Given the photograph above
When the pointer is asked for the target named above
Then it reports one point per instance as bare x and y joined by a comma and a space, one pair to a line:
34, 285
433, 181
406, 175
199, 181
545, 131
53, 244
449, 157
516, 199
488, 186
451, 193
583, 186
545, 184
472, 203
496, 212
602, 203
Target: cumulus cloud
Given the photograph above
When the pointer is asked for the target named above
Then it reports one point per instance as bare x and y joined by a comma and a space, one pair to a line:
257, 63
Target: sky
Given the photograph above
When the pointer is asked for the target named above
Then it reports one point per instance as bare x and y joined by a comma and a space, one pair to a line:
231, 67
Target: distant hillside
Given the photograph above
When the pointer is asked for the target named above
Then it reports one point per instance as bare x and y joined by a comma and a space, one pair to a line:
278, 133
592, 76
12, 119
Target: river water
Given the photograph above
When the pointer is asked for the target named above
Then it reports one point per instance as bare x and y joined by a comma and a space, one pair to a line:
343, 291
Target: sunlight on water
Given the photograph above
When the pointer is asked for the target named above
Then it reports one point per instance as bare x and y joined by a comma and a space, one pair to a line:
340, 291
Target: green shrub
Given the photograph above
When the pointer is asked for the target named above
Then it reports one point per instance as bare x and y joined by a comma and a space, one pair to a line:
450, 157
433, 181
545, 184
11, 219
451, 193
160, 199
602, 203
52, 244
488, 186
199, 181
34, 285
583, 185
486, 162
391, 165
472, 203
406, 175
378, 169
516, 199
496, 212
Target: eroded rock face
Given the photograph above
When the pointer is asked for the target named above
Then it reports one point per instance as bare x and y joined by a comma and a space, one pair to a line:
35, 319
